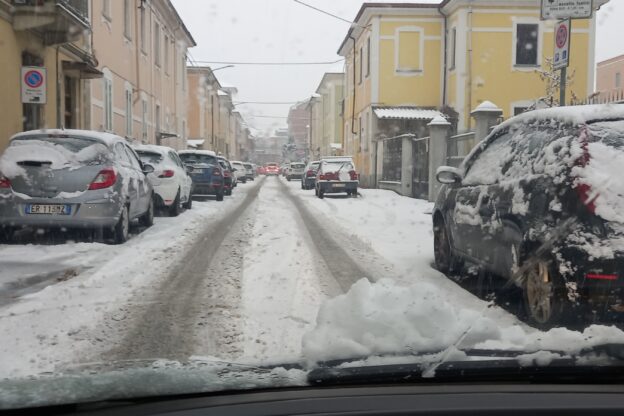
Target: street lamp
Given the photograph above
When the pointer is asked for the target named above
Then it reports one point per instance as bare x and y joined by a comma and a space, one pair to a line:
222, 67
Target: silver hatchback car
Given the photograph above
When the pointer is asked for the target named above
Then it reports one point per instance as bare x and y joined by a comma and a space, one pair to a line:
73, 179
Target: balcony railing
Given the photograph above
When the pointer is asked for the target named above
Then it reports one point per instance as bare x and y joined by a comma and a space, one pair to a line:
60, 21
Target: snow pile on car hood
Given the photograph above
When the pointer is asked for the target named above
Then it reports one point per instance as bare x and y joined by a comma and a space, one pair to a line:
58, 156
387, 318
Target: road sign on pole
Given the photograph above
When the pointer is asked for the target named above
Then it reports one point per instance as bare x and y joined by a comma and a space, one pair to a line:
561, 55
33, 84
566, 9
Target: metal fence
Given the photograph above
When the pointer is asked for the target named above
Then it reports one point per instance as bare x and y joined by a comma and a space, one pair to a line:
392, 159
458, 147
420, 167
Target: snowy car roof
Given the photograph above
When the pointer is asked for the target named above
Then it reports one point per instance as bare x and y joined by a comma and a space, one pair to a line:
153, 148
106, 138
198, 152
573, 114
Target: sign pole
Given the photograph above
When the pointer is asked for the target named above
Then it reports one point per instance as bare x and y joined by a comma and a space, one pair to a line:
562, 86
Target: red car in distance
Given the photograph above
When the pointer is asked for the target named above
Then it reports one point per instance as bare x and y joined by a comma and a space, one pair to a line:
272, 169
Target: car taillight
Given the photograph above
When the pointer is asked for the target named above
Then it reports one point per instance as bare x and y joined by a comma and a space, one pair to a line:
601, 276
166, 174
310, 173
104, 179
226, 174
5, 183
216, 172
583, 190
354, 175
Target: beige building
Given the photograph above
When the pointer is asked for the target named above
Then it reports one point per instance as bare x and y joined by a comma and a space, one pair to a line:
609, 74
204, 110
326, 131
49, 47
141, 47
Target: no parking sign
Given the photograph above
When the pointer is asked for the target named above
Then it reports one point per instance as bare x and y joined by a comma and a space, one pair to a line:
561, 58
33, 84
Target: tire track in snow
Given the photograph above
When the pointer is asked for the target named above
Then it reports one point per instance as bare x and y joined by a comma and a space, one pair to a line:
190, 298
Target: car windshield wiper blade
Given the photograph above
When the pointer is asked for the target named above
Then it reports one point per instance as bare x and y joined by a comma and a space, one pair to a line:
480, 365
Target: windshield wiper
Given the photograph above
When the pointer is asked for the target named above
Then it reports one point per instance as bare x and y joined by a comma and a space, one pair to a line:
483, 365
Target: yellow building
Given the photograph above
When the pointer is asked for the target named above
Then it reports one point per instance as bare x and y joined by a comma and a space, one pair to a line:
395, 58
204, 112
326, 129
53, 39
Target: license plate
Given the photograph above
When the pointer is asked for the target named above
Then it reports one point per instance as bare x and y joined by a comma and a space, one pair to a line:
197, 171
48, 209
339, 185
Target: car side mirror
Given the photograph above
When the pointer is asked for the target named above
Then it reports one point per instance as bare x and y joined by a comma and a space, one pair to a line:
147, 168
448, 175
234, 169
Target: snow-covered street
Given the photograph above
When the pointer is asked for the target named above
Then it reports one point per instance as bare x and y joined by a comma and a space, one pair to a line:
239, 281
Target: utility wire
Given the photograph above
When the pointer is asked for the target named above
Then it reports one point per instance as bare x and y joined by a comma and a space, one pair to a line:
272, 63
326, 12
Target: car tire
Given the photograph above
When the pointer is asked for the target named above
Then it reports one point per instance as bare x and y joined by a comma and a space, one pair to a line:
174, 209
220, 196
6, 234
445, 260
288, 178
228, 192
121, 231
189, 203
321, 193
147, 219
244, 180
544, 295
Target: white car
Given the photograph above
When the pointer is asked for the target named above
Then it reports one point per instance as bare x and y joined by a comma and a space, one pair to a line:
241, 171
170, 179
295, 170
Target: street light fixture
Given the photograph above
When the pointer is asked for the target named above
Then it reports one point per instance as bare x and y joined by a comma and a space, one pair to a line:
222, 67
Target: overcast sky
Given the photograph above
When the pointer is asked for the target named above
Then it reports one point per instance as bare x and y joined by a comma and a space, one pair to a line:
285, 31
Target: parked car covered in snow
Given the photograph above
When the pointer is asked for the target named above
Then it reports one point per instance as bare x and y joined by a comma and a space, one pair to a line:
309, 176
229, 177
240, 171
295, 170
336, 174
249, 171
207, 173
170, 179
73, 179
540, 203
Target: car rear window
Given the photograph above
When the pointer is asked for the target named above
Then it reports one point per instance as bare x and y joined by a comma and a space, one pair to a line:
154, 158
198, 159
332, 166
297, 165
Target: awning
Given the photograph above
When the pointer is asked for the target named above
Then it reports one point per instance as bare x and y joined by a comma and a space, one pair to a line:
406, 113
81, 70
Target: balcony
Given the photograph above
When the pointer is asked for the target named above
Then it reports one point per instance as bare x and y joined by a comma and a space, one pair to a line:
59, 21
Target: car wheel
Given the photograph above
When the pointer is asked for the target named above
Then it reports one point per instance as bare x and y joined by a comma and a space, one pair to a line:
445, 260
220, 196
174, 209
122, 228
6, 234
228, 192
321, 193
244, 181
354, 193
545, 297
189, 202
147, 219
288, 178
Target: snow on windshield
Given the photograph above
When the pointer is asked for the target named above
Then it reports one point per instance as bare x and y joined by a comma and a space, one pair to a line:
59, 153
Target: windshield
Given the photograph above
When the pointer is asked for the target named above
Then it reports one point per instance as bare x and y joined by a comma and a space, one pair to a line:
150, 157
198, 159
199, 196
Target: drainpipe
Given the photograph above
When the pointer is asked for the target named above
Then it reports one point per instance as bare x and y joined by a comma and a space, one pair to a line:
59, 119
468, 119
137, 52
353, 104
445, 73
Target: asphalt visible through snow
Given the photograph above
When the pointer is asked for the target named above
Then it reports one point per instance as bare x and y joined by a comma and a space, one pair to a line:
219, 302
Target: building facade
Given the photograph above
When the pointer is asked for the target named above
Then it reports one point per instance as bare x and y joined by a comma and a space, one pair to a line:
299, 122
495, 49
141, 47
609, 75
204, 111
326, 132
48, 45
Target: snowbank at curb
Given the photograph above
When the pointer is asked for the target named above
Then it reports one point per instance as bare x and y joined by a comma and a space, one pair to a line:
388, 318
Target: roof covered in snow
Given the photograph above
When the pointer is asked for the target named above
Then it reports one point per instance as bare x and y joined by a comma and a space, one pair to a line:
198, 152
195, 142
106, 138
153, 148
406, 113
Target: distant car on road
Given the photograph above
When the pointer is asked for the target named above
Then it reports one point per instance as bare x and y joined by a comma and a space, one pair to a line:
73, 179
207, 173
272, 169
295, 170
170, 179
261, 170
249, 171
240, 171
336, 174
229, 178
309, 176
539, 203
